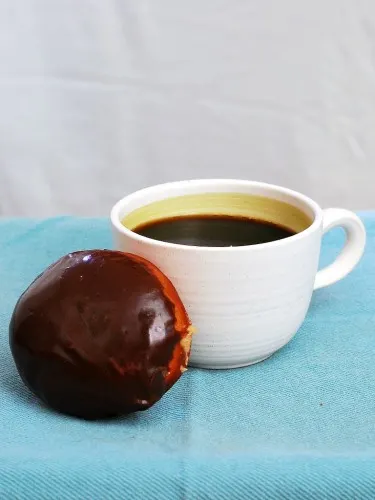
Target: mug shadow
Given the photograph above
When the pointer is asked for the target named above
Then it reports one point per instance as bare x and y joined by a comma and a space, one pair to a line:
321, 299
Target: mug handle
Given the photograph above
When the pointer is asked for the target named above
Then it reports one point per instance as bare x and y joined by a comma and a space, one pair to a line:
352, 251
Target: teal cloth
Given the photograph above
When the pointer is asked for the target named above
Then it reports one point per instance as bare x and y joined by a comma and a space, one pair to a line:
299, 425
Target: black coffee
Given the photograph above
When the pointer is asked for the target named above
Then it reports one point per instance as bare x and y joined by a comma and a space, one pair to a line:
213, 231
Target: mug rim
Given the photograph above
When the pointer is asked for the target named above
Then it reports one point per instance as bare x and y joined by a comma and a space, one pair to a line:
311, 204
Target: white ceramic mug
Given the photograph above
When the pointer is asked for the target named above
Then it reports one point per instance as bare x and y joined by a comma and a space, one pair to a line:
246, 302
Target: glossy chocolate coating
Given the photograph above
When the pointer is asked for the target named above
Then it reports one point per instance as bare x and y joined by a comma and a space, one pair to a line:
99, 334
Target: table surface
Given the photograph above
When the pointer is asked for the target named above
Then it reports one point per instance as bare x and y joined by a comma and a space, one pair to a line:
299, 425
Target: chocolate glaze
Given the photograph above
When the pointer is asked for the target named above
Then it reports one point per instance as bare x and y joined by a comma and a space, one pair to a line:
99, 334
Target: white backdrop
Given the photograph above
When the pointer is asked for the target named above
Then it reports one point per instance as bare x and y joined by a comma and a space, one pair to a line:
101, 97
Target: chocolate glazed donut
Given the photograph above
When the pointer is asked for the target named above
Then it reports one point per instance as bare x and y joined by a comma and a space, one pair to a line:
99, 334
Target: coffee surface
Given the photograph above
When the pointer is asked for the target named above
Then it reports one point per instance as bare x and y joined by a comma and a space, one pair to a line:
213, 230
